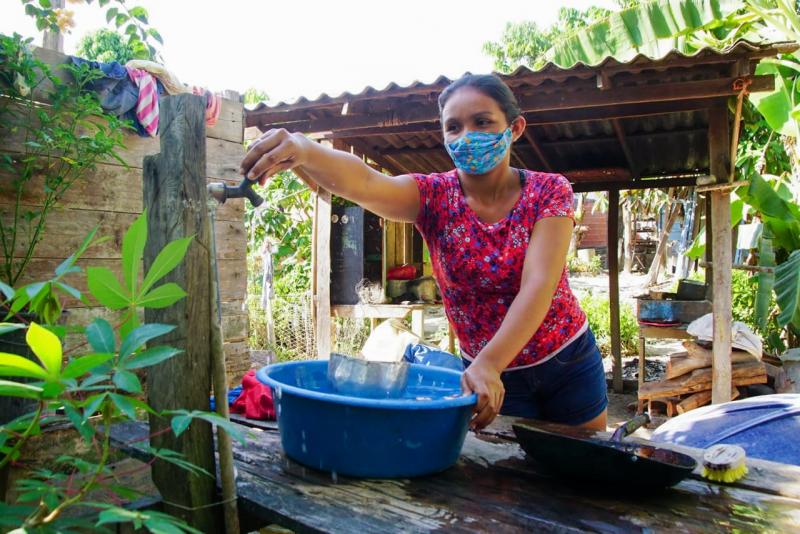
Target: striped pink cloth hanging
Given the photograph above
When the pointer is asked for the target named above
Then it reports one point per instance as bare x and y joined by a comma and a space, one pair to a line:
147, 104
213, 104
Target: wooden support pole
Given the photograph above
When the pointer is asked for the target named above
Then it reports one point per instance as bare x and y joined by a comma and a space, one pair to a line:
720, 162
54, 40
322, 255
322, 268
175, 200
613, 286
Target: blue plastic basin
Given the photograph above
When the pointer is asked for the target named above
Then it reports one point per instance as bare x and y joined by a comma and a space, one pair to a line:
419, 434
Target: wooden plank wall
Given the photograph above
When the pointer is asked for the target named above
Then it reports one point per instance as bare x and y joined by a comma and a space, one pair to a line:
111, 196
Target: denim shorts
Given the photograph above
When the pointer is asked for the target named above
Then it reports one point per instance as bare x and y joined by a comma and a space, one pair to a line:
568, 388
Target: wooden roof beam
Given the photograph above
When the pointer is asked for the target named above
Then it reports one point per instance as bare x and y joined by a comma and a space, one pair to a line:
539, 118
669, 93
620, 133
388, 163
625, 185
440, 151
519, 161
427, 128
538, 150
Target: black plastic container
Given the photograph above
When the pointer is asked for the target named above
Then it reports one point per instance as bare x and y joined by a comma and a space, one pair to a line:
356, 241
691, 290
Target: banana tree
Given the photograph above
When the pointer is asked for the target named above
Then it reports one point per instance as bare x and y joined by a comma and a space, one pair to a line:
658, 27
654, 29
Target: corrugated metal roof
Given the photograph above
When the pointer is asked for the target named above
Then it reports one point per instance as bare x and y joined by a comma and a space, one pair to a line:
522, 73
668, 140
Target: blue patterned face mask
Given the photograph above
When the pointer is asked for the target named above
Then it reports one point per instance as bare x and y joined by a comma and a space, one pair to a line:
479, 152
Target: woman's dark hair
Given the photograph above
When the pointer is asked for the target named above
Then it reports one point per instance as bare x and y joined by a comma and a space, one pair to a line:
491, 86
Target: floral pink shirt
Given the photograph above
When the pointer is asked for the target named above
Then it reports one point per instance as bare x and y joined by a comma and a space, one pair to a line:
479, 266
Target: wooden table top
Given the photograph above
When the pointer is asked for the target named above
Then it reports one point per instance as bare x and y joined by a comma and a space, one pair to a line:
493, 488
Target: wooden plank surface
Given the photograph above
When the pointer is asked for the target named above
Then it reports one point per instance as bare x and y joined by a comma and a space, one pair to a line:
696, 357
111, 188
493, 488
743, 374
701, 398
223, 156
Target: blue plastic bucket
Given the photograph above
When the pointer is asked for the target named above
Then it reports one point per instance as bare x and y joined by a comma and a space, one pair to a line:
419, 434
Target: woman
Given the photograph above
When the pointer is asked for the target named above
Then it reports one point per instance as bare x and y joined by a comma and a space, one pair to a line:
498, 239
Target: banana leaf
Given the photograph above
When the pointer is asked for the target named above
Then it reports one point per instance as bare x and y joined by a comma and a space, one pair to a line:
777, 105
787, 290
766, 281
782, 217
651, 28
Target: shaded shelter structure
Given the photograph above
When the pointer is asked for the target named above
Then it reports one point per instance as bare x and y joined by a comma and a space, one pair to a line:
647, 123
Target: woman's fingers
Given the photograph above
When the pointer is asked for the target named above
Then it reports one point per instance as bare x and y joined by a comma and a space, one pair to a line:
466, 388
280, 157
261, 147
483, 417
285, 166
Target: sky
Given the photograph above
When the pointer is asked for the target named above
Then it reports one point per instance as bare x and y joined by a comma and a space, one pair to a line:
307, 47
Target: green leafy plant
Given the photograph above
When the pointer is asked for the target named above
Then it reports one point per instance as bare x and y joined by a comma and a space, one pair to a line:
58, 143
107, 45
653, 28
44, 299
139, 35
131, 294
598, 313
95, 384
578, 266
525, 43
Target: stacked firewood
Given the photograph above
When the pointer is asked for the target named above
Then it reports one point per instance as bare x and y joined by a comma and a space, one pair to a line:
687, 384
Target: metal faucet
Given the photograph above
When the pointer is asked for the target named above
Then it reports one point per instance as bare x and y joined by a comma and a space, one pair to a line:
222, 192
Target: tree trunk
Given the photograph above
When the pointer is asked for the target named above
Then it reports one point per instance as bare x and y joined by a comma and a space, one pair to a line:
629, 236
655, 266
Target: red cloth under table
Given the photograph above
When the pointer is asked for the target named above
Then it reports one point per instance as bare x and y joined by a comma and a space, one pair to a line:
256, 401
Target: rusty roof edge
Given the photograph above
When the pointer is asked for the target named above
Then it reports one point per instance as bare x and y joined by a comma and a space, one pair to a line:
326, 100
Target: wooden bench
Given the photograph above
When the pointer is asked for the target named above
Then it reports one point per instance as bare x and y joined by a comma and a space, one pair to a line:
492, 488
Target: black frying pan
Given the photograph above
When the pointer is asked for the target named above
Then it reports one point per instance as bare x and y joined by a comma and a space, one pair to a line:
576, 454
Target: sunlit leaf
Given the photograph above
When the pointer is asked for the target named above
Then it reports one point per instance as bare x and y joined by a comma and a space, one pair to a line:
105, 287
9, 388
46, 346
166, 260
162, 296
